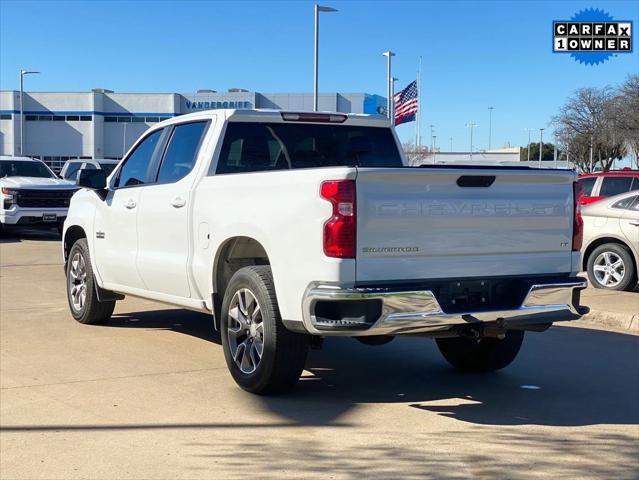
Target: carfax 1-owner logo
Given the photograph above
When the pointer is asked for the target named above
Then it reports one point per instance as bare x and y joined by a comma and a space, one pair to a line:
592, 36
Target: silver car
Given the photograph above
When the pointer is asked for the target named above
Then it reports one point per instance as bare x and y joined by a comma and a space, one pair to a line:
611, 241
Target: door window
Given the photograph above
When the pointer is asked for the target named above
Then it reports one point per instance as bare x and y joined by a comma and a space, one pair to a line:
134, 171
588, 183
615, 185
182, 151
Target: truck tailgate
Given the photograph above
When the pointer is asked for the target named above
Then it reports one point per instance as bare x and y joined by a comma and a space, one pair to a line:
427, 223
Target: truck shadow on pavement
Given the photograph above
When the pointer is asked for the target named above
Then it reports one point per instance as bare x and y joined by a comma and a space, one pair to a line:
567, 376
180, 321
18, 234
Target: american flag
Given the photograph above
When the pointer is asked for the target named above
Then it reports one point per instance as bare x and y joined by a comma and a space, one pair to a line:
406, 103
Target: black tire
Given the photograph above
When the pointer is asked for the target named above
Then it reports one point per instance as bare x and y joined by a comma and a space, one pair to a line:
485, 355
283, 352
629, 279
90, 311
375, 340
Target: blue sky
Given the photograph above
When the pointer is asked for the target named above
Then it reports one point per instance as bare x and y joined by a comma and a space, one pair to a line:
475, 54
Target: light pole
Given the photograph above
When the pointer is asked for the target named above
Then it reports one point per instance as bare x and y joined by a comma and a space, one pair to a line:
451, 144
528, 146
318, 9
471, 125
434, 148
490, 126
431, 136
389, 111
22, 74
541, 143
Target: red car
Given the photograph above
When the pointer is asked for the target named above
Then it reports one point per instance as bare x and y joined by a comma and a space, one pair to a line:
606, 184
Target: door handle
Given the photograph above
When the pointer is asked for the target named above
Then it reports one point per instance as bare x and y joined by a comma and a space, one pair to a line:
635, 224
178, 202
130, 203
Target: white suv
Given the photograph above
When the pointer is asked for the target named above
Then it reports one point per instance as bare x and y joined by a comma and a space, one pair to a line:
31, 194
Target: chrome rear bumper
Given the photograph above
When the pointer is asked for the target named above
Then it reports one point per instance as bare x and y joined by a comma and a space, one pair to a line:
419, 312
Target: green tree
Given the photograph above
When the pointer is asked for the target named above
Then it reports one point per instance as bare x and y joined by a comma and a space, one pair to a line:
547, 152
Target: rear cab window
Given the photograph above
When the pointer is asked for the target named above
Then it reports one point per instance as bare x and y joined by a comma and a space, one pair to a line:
257, 146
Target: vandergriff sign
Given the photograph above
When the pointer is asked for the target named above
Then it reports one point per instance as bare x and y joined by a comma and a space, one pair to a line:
214, 100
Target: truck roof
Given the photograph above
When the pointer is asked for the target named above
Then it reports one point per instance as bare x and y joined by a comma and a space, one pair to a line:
24, 159
284, 116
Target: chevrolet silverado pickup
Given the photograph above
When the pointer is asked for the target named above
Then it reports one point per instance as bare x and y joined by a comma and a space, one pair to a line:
31, 194
288, 227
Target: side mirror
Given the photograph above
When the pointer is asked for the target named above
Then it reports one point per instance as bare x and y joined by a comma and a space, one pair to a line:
92, 179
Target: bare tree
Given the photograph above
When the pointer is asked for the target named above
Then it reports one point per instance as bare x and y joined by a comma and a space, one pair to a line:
625, 109
415, 155
586, 127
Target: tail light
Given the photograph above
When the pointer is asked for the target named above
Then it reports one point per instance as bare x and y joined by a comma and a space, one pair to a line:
340, 230
577, 220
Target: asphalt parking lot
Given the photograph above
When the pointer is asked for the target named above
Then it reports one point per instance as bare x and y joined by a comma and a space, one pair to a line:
148, 396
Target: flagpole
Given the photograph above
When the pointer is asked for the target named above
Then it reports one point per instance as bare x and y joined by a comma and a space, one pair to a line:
418, 139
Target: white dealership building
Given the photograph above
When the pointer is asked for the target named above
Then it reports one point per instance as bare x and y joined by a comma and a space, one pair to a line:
103, 124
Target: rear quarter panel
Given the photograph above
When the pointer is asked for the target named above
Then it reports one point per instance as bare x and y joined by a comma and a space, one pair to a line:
283, 211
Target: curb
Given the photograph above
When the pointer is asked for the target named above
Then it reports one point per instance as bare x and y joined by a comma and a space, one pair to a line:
620, 321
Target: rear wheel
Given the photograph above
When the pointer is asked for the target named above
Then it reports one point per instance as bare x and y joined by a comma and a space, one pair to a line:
481, 355
610, 266
261, 354
81, 292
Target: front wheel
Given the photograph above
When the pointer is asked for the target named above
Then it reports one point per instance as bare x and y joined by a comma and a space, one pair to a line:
81, 293
481, 355
261, 354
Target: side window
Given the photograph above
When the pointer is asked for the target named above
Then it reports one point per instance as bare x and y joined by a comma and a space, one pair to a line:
89, 166
625, 203
614, 186
181, 153
134, 169
588, 183
250, 147
72, 171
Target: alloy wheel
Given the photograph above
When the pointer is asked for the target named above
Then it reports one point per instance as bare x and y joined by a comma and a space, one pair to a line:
609, 269
245, 331
78, 281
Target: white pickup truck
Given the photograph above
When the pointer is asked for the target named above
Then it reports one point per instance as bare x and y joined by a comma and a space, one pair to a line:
31, 194
289, 227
